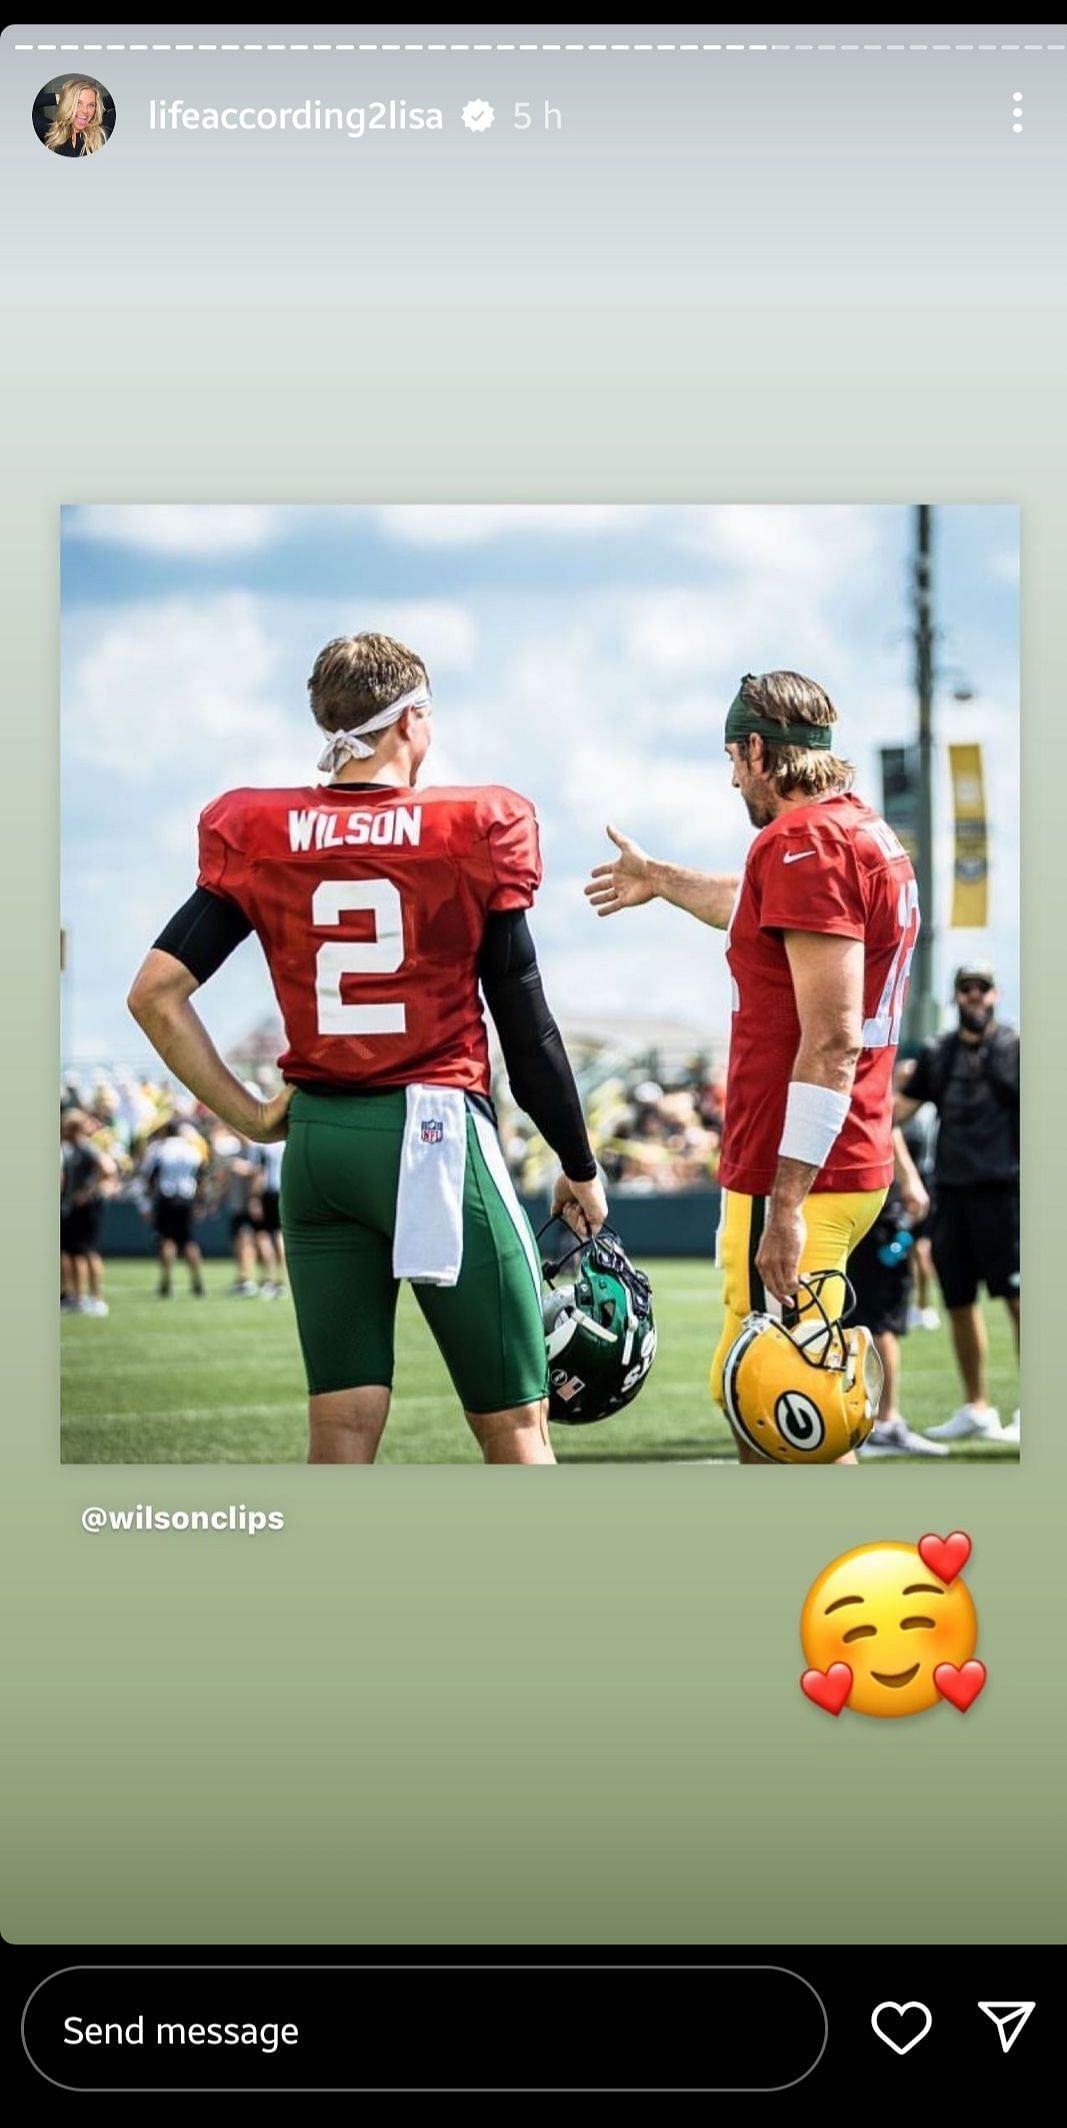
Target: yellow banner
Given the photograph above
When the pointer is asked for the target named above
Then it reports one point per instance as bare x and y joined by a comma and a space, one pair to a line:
970, 878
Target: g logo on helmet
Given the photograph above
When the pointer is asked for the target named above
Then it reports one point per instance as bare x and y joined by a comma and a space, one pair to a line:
805, 1391
799, 1421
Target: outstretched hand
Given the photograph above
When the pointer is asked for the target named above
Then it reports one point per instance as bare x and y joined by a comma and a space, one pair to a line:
626, 883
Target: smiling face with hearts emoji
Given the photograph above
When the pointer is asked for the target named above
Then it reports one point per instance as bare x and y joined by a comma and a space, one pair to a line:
890, 1629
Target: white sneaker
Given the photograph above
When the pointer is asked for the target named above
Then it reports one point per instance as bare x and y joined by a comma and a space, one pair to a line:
896, 1438
1011, 1431
929, 1319
972, 1422
93, 1307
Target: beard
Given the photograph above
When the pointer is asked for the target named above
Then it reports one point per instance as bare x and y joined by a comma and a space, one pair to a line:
759, 811
975, 1018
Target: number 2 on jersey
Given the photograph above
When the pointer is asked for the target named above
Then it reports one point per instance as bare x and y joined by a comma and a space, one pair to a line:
381, 955
884, 1026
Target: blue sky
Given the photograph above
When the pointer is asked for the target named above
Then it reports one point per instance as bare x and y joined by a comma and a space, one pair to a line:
584, 654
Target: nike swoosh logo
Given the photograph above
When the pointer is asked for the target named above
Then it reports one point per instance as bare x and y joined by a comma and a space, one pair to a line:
794, 856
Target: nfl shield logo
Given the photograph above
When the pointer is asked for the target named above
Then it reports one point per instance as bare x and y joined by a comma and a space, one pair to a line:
433, 1131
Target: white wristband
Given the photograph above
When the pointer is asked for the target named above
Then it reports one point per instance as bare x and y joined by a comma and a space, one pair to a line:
814, 1116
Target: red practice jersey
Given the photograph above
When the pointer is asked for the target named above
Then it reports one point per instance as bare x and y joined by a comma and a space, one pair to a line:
370, 903
833, 867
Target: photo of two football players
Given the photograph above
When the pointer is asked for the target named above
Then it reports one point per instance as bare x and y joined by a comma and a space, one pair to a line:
386, 911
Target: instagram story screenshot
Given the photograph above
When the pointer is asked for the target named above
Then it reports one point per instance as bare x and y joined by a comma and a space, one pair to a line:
533, 648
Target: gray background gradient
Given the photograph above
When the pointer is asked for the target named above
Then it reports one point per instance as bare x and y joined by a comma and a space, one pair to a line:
449, 1705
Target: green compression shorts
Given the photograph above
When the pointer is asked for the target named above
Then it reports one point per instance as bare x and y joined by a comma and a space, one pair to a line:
338, 1205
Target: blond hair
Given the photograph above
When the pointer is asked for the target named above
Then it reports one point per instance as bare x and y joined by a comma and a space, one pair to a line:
62, 130
788, 698
355, 676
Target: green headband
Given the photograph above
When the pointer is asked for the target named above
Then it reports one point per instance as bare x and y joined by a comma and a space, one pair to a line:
742, 721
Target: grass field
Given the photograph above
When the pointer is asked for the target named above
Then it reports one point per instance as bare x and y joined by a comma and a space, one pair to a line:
220, 1381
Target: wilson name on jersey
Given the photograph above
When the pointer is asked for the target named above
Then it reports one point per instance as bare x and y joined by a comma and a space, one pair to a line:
370, 903
833, 867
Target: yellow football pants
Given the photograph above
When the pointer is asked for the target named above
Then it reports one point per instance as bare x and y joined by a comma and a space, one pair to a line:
835, 1221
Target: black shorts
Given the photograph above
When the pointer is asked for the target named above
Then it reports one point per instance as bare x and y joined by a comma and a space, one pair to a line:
882, 1290
270, 1219
241, 1223
976, 1242
174, 1220
79, 1229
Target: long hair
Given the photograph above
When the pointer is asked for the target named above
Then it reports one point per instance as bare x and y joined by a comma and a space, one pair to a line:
789, 698
62, 130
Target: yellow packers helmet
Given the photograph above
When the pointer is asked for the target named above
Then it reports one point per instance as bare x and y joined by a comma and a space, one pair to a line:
803, 1389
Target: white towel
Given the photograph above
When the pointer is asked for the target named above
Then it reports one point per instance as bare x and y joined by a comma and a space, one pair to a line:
428, 1237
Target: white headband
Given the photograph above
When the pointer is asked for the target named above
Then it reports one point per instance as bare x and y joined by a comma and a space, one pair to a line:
352, 745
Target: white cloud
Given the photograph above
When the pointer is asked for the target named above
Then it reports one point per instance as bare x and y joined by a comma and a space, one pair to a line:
444, 634
1004, 566
707, 639
814, 543
199, 530
684, 800
475, 524
152, 688
644, 963
782, 584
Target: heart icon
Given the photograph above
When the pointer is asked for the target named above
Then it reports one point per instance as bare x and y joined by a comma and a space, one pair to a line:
946, 1556
960, 1686
898, 2014
828, 1688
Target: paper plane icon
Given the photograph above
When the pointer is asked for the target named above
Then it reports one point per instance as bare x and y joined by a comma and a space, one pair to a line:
1009, 2018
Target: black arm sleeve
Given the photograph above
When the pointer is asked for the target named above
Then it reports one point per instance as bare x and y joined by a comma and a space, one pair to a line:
537, 1063
203, 933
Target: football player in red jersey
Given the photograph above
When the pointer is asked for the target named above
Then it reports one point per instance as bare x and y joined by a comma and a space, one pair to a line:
380, 913
820, 932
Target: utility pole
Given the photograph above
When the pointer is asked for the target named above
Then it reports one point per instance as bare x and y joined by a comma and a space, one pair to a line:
922, 1012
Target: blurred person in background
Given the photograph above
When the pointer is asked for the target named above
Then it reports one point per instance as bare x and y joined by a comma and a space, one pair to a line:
135, 1113
971, 1076
711, 1103
880, 1274
234, 1182
84, 1173
658, 1141
265, 1211
172, 1172
920, 1138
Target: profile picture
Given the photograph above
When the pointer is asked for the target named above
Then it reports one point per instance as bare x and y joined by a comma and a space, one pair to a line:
74, 115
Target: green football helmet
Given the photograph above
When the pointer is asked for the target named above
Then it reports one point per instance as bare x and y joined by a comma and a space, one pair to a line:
599, 1329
